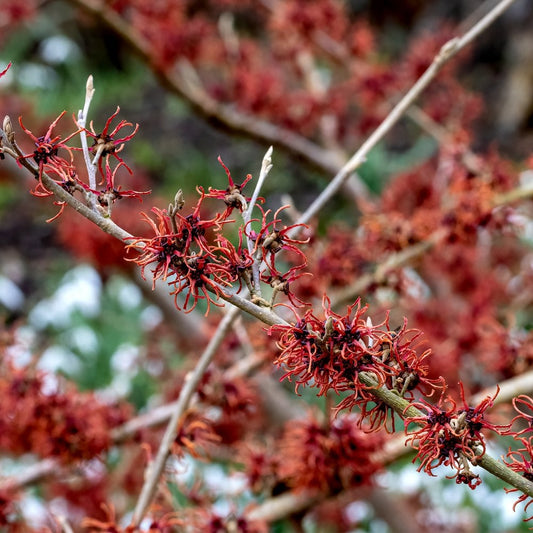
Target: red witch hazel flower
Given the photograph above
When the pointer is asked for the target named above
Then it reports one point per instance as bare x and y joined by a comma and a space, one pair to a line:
281, 283
113, 193
182, 255
106, 144
46, 153
331, 352
237, 261
270, 240
450, 436
521, 459
67, 179
524, 406
232, 195
195, 434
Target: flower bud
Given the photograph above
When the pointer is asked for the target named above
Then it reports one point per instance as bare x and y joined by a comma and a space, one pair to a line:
8, 129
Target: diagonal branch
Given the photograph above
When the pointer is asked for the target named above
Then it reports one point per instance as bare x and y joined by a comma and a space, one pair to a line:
447, 52
184, 82
155, 469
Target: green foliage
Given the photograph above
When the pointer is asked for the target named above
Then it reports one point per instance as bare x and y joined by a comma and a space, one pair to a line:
382, 163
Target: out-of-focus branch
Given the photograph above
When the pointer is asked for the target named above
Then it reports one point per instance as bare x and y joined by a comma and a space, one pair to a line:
282, 506
391, 262
447, 52
184, 82
31, 475
508, 389
415, 251
192, 381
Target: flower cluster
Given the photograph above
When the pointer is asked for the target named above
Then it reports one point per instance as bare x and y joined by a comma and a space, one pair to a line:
330, 353
181, 254
70, 426
450, 436
234, 402
193, 256
329, 457
460, 202
55, 157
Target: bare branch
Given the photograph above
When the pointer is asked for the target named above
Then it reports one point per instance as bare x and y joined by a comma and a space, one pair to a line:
82, 122
155, 470
447, 51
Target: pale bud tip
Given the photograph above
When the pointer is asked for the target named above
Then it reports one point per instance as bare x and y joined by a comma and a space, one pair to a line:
90, 85
8, 127
179, 200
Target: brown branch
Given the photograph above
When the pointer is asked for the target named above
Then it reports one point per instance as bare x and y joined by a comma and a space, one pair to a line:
31, 475
391, 262
184, 82
447, 52
192, 380
485, 461
285, 505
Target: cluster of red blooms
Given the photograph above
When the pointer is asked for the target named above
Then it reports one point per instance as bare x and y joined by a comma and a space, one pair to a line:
55, 157
443, 194
455, 290
234, 402
450, 436
70, 426
330, 353
193, 256
328, 457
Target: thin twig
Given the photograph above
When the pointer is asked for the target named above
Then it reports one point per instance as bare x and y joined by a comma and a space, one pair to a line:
447, 51
266, 166
63, 523
31, 475
410, 253
155, 469
82, 123
284, 505
508, 389
392, 261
